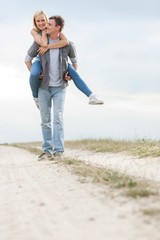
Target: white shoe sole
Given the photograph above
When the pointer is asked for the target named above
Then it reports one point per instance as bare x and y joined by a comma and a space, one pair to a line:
96, 103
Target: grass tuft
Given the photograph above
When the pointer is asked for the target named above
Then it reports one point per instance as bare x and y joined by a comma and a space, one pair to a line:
151, 212
108, 177
140, 192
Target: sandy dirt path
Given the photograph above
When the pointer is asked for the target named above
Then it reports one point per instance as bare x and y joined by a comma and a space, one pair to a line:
44, 201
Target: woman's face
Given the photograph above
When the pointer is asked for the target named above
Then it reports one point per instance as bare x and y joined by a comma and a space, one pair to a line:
40, 22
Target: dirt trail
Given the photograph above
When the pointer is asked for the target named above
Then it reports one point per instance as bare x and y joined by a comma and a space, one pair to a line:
44, 201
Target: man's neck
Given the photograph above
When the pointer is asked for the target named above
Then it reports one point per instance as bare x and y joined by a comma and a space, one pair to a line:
54, 36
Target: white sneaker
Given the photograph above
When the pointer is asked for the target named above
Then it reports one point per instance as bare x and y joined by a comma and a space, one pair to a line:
36, 102
94, 100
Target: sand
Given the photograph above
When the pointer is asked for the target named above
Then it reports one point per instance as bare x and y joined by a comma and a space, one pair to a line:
45, 201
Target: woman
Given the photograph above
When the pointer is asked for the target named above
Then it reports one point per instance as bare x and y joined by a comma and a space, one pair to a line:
39, 34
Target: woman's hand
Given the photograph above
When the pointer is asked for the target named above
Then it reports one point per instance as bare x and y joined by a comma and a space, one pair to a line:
42, 49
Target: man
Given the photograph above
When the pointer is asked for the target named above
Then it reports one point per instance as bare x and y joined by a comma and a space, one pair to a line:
53, 89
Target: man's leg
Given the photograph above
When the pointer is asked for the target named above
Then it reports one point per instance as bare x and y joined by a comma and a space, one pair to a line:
58, 94
44, 98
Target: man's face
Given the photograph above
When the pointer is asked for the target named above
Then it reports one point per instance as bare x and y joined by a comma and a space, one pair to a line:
51, 27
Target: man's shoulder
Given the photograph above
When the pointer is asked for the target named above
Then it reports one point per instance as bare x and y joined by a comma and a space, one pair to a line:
32, 51
70, 47
71, 44
34, 46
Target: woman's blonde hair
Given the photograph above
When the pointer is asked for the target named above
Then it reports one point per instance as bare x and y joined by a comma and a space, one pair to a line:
38, 13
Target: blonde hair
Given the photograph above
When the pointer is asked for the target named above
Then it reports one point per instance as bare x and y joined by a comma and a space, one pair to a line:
38, 13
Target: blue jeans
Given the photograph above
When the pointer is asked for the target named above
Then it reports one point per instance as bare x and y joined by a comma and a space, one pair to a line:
34, 77
78, 81
53, 140
35, 82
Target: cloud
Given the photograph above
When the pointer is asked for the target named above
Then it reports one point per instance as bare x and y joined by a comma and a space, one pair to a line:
118, 54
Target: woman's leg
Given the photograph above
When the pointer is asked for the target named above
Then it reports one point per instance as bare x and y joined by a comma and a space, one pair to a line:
34, 77
80, 84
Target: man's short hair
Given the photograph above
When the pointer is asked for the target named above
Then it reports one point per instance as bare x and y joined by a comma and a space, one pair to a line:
58, 20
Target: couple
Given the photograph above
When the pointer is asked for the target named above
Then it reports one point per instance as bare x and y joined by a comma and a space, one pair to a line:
53, 51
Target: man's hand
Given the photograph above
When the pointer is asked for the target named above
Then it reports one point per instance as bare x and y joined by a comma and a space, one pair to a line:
42, 50
67, 77
41, 76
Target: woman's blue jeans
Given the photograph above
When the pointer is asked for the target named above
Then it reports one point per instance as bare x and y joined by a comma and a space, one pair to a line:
78, 81
34, 77
35, 81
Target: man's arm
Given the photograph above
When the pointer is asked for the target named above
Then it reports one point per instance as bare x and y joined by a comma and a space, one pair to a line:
31, 53
28, 64
67, 77
73, 55
75, 65
73, 58
33, 50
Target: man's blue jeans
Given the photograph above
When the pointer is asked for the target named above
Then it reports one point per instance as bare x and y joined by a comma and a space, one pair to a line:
35, 81
52, 130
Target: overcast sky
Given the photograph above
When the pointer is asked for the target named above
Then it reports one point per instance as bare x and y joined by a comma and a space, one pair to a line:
118, 48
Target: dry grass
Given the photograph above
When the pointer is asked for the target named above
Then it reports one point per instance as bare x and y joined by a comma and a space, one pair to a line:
99, 174
133, 188
33, 147
140, 148
151, 212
